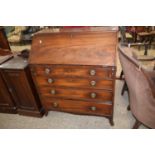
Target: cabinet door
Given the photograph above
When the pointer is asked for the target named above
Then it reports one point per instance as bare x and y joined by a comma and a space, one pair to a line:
5, 98
20, 89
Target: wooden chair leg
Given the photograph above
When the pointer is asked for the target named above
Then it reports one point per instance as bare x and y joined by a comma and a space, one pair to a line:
125, 88
136, 125
111, 121
146, 50
128, 108
121, 75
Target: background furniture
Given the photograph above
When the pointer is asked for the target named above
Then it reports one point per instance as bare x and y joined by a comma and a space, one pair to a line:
6, 102
17, 93
4, 44
141, 84
16, 75
131, 43
74, 69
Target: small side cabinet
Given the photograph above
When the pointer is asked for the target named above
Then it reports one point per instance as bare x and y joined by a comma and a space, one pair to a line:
7, 105
17, 77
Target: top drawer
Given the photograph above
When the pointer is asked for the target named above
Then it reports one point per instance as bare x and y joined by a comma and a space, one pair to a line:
73, 71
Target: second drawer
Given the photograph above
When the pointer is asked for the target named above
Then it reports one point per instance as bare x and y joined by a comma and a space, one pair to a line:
75, 82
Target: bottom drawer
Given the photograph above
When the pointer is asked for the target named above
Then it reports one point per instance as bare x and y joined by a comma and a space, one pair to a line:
79, 107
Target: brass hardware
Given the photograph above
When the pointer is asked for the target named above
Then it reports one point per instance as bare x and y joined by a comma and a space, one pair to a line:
47, 70
92, 72
53, 92
93, 83
93, 108
93, 95
55, 104
50, 80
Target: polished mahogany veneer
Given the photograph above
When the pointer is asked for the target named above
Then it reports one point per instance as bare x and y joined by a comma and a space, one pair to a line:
74, 70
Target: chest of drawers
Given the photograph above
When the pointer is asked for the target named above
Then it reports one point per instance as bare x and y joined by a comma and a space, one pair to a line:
74, 70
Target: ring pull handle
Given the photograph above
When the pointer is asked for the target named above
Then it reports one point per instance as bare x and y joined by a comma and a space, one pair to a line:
93, 83
47, 70
53, 92
50, 80
92, 72
93, 108
93, 95
55, 104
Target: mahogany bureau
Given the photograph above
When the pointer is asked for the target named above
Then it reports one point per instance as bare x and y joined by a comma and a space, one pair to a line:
74, 70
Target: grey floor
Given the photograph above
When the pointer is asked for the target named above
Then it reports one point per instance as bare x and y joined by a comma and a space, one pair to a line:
57, 120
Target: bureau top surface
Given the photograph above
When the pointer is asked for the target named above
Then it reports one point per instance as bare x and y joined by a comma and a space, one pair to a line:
82, 29
14, 63
75, 46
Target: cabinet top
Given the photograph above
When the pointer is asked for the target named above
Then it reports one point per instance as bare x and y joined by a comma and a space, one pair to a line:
15, 63
75, 46
5, 58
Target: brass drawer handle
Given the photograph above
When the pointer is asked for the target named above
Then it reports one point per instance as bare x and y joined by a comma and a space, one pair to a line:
93, 108
93, 95
55, 104
93, 83
92, 72
53, 92
50, 80
47, 70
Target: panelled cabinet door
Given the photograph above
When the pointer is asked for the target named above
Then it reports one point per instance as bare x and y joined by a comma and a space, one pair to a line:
5, 98
20, 89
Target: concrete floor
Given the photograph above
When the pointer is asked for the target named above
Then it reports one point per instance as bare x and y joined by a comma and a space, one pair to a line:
123, 119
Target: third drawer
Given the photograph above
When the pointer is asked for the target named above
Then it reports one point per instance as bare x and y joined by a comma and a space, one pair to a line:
80, 94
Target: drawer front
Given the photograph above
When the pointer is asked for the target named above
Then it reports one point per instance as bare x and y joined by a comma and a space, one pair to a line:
73, 71
75, 82
80, 94
82, 107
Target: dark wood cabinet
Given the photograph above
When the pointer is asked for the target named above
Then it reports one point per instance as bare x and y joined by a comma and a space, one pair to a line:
6, 102
74, 70
17, 77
